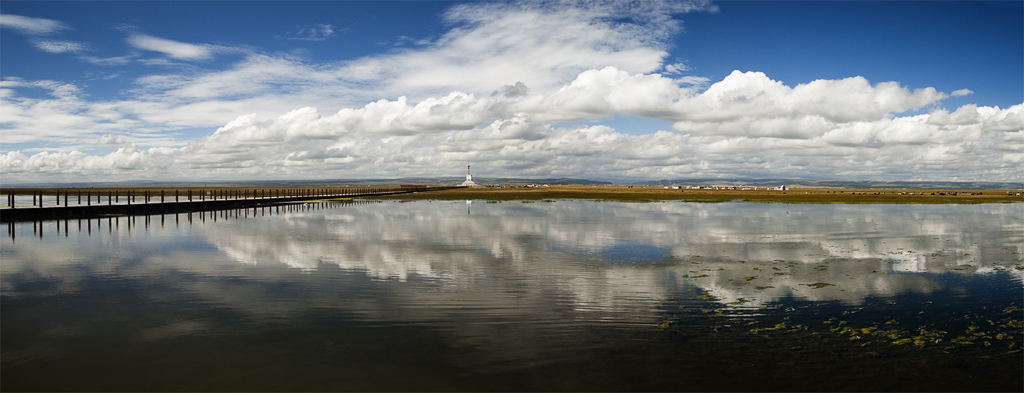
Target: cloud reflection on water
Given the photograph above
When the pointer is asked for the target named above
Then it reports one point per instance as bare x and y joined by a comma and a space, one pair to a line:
597, 251
755, 252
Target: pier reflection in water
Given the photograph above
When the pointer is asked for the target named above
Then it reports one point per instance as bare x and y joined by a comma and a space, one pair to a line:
521, 296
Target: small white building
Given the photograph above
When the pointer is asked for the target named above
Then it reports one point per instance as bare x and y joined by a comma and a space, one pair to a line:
469, 179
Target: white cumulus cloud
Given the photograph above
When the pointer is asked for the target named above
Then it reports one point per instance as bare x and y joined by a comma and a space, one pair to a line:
56, 46
171, 48
37, 29
31, 26
961, 93
317, 32
515, 135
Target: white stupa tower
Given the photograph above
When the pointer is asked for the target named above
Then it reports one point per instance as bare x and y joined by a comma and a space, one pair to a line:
469, 179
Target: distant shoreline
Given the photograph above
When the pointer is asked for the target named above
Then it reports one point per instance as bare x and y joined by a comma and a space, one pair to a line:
625, 193
656, 193
452, 181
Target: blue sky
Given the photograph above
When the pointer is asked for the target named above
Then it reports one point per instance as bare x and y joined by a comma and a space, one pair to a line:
949, 45
920, 90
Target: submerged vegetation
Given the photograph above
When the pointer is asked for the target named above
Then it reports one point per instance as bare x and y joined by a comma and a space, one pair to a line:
997, 332
878, 324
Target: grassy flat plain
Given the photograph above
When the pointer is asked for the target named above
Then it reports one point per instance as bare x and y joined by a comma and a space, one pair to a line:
657, 193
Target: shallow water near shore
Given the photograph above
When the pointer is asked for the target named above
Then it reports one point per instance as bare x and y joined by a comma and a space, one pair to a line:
556, 295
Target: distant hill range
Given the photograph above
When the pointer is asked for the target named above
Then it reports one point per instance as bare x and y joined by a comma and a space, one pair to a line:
451, 181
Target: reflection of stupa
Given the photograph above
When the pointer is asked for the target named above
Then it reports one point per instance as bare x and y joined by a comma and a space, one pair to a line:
469, 179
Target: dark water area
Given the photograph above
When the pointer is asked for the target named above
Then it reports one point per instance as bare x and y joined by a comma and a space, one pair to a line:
552, 296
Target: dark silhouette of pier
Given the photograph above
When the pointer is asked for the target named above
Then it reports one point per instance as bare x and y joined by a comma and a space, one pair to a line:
109, 224
95, 203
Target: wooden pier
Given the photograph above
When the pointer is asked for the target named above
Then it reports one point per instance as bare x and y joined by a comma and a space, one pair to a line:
54, 203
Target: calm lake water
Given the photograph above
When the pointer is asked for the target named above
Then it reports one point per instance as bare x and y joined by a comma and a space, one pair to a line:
564, 295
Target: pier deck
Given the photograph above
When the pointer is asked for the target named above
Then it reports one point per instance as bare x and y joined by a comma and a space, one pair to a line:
67, 203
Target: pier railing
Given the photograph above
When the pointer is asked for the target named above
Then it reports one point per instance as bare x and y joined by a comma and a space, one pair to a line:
36, 203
